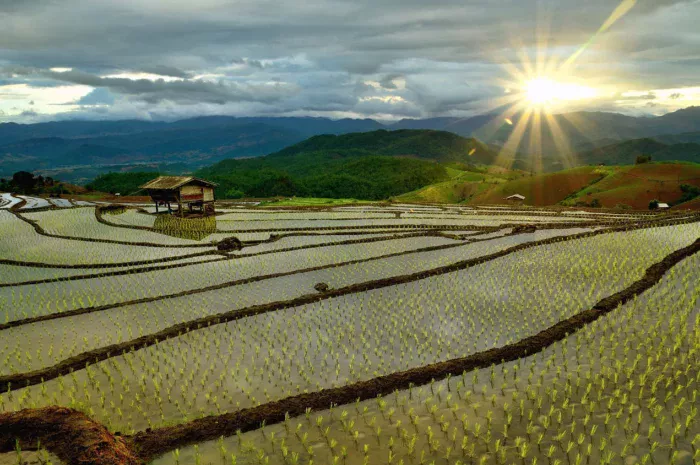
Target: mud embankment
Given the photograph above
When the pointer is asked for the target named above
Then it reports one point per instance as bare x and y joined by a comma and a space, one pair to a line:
79, 361
154, 443
76, 439
69, 434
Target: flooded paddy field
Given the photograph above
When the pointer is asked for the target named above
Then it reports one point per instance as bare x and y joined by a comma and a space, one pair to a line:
353, 334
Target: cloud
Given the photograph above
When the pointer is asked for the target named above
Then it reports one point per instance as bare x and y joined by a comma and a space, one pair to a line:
268, 57
99, 96
179, 91
163, 70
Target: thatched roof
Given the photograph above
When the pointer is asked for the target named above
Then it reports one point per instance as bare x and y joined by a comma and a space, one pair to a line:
174, 182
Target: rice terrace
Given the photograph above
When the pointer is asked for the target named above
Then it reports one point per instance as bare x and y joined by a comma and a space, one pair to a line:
347, 232
349, 334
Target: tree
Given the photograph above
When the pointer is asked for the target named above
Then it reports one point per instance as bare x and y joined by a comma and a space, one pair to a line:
234, 193
23, 181
654, 204
689, 193
641, 159
595, 203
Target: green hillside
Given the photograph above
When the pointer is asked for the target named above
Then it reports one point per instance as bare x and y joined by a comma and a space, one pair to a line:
126, 183
463, 186
626, 186
371, 165
434, 145
637, 185
542, 189
317, 175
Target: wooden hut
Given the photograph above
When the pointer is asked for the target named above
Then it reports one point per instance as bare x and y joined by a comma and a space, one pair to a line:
516, 199
197, 194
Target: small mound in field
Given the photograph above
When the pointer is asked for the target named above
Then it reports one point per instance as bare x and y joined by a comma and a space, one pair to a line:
322, 287
112, 209
230, 243
524, 228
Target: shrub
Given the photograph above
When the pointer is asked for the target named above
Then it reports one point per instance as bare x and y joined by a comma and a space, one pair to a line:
234, 194
641, 159
689, 193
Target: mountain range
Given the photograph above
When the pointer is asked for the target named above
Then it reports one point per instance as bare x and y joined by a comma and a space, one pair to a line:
80, 150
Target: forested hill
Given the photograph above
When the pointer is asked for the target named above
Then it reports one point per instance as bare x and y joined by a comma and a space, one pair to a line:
369, 165
625, 153
441, 146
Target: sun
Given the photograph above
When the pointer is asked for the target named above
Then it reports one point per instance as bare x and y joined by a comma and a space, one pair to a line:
541, 93
544, 91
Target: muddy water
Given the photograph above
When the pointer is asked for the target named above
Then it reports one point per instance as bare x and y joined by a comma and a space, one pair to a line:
42, 457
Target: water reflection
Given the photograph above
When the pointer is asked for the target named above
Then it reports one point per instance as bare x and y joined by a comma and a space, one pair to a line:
185, 228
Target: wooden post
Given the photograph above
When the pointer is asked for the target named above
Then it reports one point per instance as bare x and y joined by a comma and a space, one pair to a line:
179, 205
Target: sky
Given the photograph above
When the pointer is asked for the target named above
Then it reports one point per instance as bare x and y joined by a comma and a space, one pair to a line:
382, 59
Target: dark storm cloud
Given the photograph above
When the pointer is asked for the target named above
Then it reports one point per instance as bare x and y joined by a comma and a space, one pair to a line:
182, 91
387, 82
163, 70
265, 56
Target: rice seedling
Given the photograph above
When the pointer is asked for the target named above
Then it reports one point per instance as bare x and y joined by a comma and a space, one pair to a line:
622, 389
629, 395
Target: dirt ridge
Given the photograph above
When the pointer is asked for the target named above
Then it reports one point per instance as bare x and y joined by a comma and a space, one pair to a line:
262, 277
41, 231
596, 221
84, 310
88, 266
151, 444
78, 440
69, 434
79, 361
178, 265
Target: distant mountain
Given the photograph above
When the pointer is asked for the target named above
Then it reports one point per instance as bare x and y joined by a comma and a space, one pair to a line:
78, 149
428, 123
684, 120
625, 153
681, 138
193, 142
566, 132
14, 132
